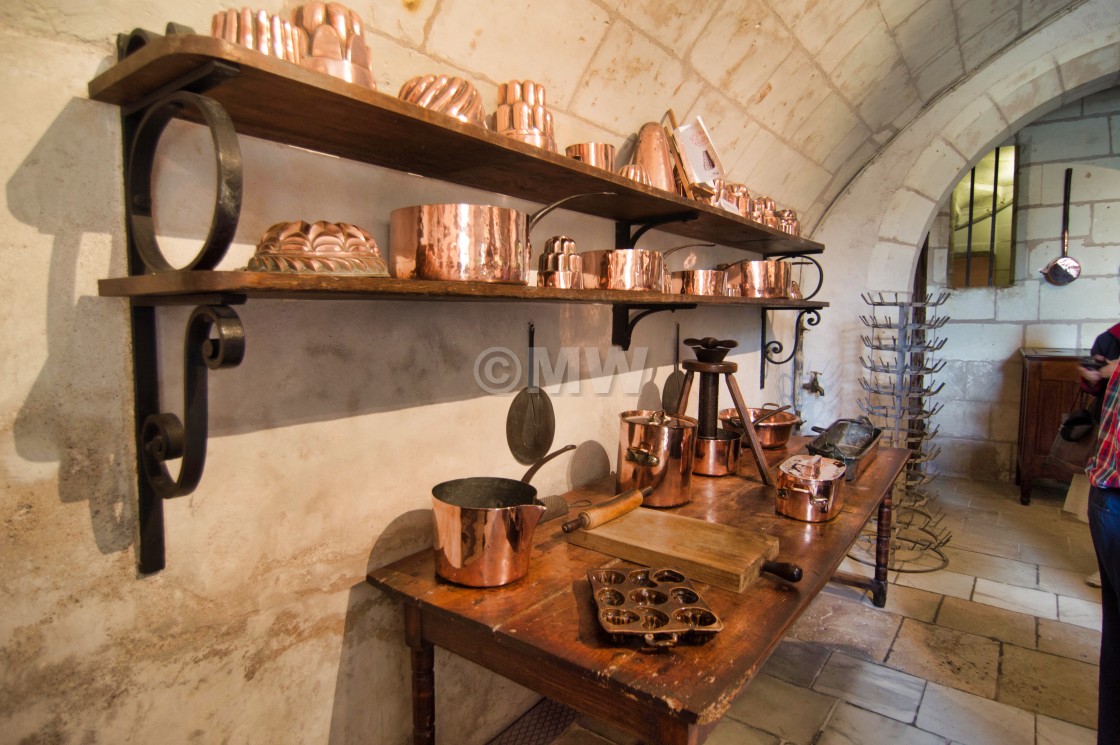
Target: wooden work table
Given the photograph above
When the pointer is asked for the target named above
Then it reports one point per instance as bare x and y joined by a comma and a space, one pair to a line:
542, 631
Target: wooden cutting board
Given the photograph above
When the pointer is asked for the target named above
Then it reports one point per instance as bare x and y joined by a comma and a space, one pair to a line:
706, 552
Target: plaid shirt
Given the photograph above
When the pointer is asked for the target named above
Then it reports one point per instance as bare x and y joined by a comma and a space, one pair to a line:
1104, 469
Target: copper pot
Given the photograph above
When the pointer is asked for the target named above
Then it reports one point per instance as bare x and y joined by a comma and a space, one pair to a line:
698, 282
656, 450
624, 269
466, 242
809, 488
719, 455
773, 432
769, 278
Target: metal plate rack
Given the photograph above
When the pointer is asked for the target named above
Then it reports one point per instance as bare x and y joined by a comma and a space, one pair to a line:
898, 387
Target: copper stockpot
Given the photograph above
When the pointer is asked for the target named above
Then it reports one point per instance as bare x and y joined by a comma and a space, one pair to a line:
761, 279
466, 242
656, 450
809, 488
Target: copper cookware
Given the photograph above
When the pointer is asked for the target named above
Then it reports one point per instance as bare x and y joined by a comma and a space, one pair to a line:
598, 154
809, 488
636, 173
335, 42
652, 154
719, 455
773, 432
769, 278
624, 269
559, 265
656, 450
452, 96
465, 242
523, 115
698, 282
258, 30
321, 248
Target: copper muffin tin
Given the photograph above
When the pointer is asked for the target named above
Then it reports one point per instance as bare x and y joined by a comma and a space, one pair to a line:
658, 604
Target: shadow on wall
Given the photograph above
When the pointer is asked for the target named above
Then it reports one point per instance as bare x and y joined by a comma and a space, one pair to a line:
374, 664
77, 412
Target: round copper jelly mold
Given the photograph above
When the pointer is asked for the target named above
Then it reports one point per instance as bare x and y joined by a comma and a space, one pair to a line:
652, 618
684, 595
608, 577
668, 575
619, 616
697, 617
647, 596
608, 596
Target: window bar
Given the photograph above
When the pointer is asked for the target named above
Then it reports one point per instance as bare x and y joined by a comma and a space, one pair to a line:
992, 234
968, 238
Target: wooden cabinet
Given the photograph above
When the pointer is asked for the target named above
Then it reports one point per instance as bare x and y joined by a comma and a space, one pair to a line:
1049, 386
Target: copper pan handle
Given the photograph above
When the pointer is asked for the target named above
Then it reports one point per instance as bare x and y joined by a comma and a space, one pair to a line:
536, 216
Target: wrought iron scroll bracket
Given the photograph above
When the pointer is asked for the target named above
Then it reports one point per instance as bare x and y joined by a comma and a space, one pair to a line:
164, 437
770, 349
622, 323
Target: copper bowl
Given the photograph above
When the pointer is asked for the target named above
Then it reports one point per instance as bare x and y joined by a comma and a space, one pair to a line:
773, 433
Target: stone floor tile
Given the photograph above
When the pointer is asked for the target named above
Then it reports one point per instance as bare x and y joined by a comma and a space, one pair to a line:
1056, 732
848, 626
1047, 684
1083, 613
731, 732
1062, 558
1068, 583
1008, 549
873, 687
1068, 640
1018, 599
986, 620
780, 708
797, 662
995, 568
858, 568
945, 582
912, 602
954, 658
852, 726
973, 720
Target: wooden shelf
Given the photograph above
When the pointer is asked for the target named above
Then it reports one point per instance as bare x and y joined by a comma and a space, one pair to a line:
282, 102
187, 287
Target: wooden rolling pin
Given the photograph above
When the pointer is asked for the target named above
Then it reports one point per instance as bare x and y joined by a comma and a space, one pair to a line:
616, 506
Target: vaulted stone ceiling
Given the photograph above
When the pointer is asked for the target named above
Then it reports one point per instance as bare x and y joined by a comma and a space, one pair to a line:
798, 94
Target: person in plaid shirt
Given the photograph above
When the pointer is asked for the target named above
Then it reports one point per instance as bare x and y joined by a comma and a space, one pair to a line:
1104, 525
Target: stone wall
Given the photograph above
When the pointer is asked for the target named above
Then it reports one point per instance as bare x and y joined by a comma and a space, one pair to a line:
979, 421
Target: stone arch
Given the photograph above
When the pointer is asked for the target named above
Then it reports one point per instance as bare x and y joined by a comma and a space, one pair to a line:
874, 229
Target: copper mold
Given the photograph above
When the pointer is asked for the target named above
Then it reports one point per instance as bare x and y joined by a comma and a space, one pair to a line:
335, 43
652, 154
319, 248
452, 96
659, 605
636, 173
260, 31
559, 265
523, 115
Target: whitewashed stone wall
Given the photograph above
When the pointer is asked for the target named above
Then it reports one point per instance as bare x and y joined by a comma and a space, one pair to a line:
979, 420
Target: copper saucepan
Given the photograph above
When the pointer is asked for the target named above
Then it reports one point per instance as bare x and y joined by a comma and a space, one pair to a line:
466, 242
484, 527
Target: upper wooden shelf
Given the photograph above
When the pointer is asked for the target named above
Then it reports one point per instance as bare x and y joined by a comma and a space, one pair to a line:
188, 286
282, 102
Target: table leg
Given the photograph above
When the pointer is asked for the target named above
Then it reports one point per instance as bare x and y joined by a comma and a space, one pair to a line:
882, 552
423, 678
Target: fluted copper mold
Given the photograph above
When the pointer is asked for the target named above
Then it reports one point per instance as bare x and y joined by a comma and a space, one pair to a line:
659, 605
335, 42
652, 154
319, 248
260, 31
636, 173
523, 114
448, 95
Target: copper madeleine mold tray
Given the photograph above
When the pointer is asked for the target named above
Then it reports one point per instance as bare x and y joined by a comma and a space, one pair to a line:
659, 605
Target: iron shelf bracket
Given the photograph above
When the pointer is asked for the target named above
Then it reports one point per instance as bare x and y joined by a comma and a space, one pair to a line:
622, 323
626, 237
808, 317
162, 437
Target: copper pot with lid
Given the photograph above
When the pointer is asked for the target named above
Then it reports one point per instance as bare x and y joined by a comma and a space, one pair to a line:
809, 488
657, 450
